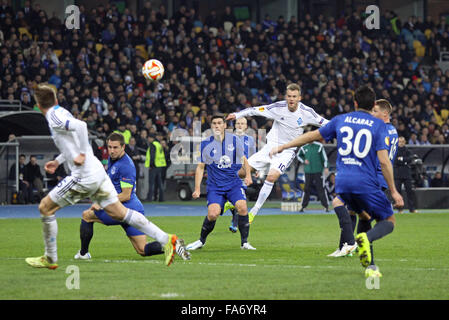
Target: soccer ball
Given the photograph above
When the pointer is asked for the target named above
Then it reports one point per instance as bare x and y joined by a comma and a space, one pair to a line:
153, 70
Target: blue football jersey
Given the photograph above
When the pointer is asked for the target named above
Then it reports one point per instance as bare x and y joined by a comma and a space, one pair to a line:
359, 136
123, 173
223, 161
249, 145
392, 142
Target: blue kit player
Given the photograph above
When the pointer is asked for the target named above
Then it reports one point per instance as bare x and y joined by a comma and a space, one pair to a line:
122, 173
382, 110
249, 145
222, 155
362, 143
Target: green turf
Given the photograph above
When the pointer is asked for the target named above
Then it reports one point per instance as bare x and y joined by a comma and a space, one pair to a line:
290, 262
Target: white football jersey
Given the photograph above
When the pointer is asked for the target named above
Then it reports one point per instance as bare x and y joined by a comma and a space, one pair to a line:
287, 125
71, 138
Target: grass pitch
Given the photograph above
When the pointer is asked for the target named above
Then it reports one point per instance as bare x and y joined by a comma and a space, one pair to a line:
290, 262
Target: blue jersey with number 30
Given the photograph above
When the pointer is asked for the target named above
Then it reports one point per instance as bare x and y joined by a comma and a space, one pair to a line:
359, 136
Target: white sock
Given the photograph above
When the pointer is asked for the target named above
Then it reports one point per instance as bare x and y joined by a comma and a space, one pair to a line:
141, 223
263, 195
50, 231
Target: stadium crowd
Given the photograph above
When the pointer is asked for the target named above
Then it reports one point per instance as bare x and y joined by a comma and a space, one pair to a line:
212, 66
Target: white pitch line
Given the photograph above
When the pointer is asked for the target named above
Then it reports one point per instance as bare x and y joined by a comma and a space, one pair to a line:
226, 264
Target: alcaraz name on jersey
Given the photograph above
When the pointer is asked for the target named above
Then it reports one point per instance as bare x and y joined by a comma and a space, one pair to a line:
123, 175
359, 136
223, 161
392, 143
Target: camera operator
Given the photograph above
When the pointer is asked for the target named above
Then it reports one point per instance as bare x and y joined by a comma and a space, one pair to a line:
403, 174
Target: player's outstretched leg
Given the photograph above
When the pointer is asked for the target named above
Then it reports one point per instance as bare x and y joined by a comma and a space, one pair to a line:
263, 196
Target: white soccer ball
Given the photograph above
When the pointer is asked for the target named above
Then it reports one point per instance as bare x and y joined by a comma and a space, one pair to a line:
153, 70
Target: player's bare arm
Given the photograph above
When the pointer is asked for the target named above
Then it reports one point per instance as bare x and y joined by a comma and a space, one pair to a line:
248, 179
198, 178
387, 171
311, 136
125, 195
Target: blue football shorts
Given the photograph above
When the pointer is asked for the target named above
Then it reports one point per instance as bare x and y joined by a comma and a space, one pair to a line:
376, 203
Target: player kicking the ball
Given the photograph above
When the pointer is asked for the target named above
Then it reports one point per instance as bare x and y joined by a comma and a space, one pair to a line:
88, 179
290, 117
362, 143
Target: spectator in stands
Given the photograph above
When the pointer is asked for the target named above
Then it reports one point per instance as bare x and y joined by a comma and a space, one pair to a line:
437, 180
34, 177
25, 188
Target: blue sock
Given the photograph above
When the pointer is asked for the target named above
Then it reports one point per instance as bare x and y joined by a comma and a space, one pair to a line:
344, 219
244, 228
86, 234
380, 230
207, 228
153, 248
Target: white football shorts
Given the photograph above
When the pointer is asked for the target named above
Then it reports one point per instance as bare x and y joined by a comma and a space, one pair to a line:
71, 190
280, 162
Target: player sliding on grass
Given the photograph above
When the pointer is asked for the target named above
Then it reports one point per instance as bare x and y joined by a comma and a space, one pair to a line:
122, 172
290, 117
87, 180
362, 141
222, 154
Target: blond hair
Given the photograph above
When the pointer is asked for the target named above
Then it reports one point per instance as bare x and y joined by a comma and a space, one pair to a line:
384, 105
294, 87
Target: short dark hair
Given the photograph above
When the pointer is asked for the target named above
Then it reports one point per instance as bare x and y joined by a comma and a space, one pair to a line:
365, 97
216, 116
115, 136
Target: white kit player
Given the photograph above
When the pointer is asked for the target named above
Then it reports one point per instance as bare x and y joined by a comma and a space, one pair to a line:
88, 179
290, 117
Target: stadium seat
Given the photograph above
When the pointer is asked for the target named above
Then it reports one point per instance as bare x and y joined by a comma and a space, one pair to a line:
416, 44
214, 31
238, 24
58, 52
438, 118
98, 47
23, 31
427, 33
420, 51
228, 26
198, 29
444, 114
142, 51
195, 109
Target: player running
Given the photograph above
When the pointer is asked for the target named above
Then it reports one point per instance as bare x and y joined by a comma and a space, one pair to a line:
290, 117
222, 155
249, 145
88, 179
122, 172
361, 143
382, 110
